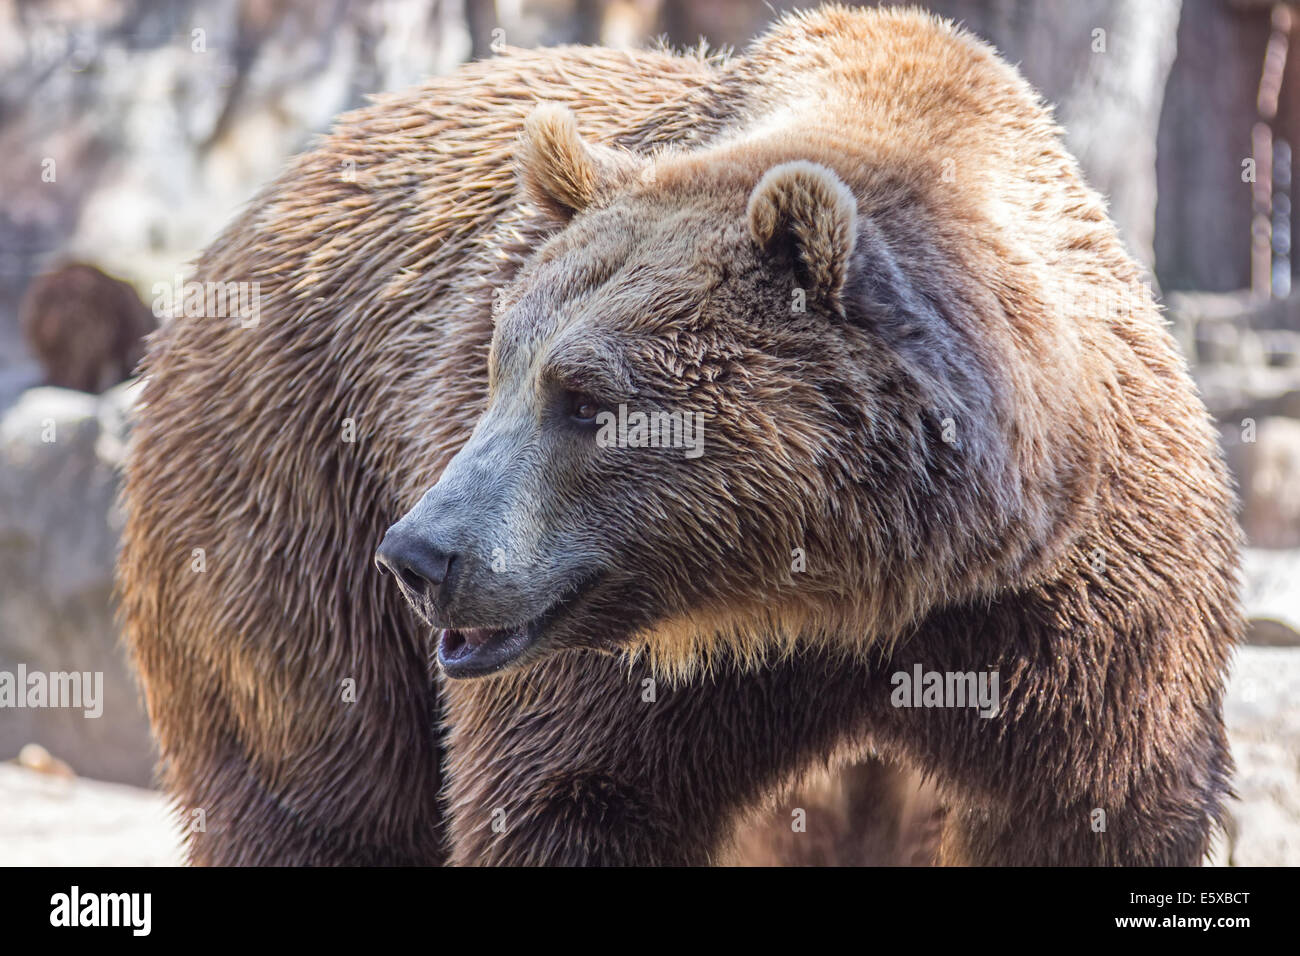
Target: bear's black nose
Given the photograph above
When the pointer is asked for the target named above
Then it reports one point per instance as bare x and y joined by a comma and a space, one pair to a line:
414, 560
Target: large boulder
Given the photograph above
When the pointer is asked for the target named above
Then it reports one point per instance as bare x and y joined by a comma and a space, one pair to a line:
1264, 727
1264, 456
60, 452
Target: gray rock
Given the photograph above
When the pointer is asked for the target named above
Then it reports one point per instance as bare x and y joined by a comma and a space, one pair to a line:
1267, 470
59, 527
1264, 728
16, 376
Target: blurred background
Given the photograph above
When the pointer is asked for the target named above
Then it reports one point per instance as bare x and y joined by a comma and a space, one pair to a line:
132, 130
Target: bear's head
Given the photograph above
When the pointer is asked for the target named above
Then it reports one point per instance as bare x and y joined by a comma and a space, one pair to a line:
727, 409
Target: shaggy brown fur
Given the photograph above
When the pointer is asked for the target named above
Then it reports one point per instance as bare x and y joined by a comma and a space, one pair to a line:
86, 328
986, 468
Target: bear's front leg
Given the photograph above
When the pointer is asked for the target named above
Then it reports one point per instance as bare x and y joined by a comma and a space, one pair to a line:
585, 760
1099, 748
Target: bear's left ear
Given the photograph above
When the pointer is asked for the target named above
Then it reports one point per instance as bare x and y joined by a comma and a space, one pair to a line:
560, 171
809, 210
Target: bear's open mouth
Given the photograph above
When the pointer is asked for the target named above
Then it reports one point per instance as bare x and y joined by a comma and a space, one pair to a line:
477, 651
466, 652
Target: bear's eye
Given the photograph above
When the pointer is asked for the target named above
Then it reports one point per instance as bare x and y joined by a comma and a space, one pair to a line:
582, 407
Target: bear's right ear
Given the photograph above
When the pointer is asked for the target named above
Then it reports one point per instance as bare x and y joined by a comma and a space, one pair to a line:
806, 209
560, 171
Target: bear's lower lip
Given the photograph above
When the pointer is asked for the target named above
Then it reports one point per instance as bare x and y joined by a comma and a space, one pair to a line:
477, 652
467, 652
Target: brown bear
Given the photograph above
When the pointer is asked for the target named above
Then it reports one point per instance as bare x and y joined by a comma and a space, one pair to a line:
86, 328
788, 389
